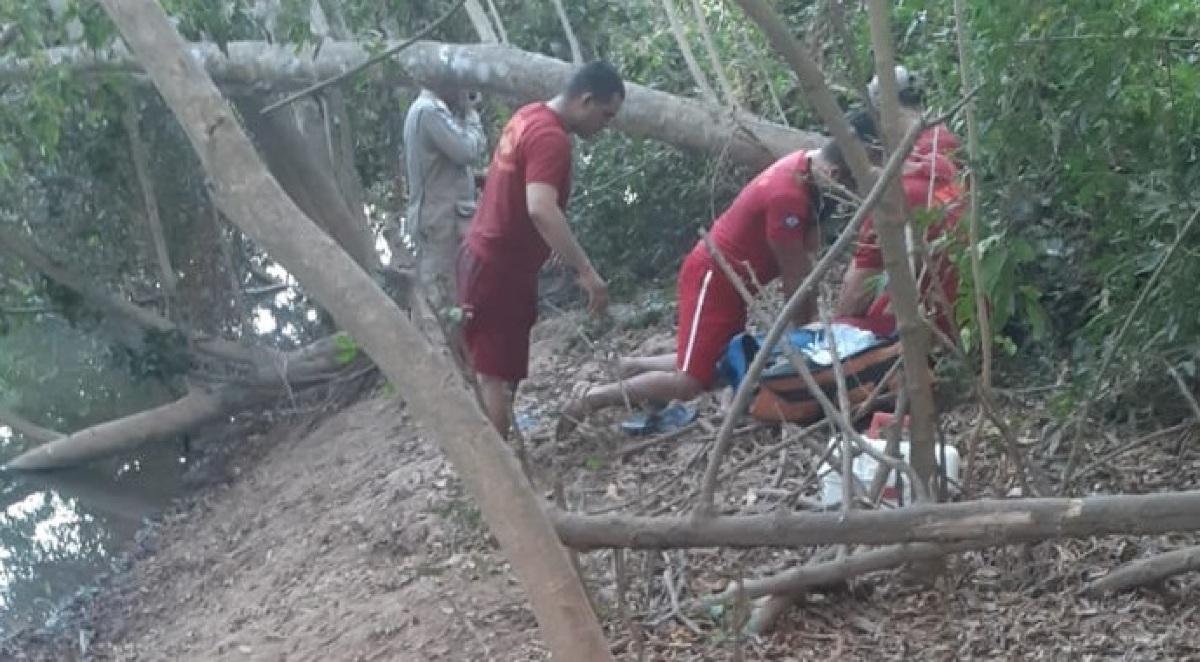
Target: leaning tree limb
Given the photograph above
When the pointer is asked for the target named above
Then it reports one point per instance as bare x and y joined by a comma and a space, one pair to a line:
509, 72
997, 521
1147, 571
273, 375
433, 390
196, 408
27, 428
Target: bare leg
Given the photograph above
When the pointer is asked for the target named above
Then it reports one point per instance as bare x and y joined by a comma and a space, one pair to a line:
658, 386
636, 365
497, 397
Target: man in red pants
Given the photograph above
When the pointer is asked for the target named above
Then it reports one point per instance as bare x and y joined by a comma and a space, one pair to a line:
520, 220
770, 231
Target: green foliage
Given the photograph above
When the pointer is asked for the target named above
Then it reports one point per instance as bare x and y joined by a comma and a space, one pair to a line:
345, 349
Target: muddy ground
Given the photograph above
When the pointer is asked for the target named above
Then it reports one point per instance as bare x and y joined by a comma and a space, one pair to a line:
346, 536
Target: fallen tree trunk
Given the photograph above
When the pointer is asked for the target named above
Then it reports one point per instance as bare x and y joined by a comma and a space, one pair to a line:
511, 72
436, 394
26, 427
1147, 571
996, 521
194, 409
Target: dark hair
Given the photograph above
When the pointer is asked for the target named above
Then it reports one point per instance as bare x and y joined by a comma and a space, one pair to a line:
599, 78
865, 129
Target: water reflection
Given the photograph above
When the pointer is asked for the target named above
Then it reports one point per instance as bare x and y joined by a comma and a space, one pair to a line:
58, 531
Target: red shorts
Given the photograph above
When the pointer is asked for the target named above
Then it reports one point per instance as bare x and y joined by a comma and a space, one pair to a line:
500, 303
711, 313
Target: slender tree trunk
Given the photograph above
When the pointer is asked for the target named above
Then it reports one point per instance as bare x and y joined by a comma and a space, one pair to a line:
572, 42
27, 428
158, 239
256, 202
902, 283
689, 58
303, 157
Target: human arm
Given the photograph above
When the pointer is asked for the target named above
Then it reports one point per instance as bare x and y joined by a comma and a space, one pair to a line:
460, 140
793, 238
856, 293
551, 224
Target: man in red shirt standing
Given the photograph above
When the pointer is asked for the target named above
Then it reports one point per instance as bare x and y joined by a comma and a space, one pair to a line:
520, 220
770, 231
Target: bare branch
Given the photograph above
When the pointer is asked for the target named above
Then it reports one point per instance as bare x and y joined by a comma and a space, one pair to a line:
354, 71
689, 58
576, 53
1147, 571
1000, 521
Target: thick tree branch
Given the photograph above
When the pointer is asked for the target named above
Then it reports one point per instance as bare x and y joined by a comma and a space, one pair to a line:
990, 520
28, 429
507, 72
572, 42
197, 407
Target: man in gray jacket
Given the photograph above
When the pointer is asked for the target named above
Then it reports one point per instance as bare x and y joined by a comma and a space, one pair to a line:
443, 137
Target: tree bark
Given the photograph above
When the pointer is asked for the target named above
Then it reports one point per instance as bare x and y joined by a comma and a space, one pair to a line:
1147, 571
902, 284
194, 409
479, 20
521, 75
253, 199
140, 158
572, 42
27, 428
303, 156
997, 521
689, 58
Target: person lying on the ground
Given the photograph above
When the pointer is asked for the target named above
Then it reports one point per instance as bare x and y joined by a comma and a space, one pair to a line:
770, 231
520, 220
936, 202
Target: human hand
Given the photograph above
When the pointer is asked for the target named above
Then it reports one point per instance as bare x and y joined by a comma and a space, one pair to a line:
597, 291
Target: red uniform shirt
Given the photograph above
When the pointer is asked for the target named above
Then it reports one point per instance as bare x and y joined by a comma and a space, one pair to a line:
930, 182
533, 148
775, 207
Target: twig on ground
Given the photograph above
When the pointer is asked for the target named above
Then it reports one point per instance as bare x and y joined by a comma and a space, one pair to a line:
1147, 571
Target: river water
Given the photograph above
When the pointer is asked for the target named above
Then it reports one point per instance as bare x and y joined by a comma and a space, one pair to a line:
59, 531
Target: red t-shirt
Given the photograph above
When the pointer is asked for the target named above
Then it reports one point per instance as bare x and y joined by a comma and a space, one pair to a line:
533, 148
930, 181
775, 207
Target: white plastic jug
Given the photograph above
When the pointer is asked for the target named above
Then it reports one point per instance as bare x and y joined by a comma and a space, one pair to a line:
864, 469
